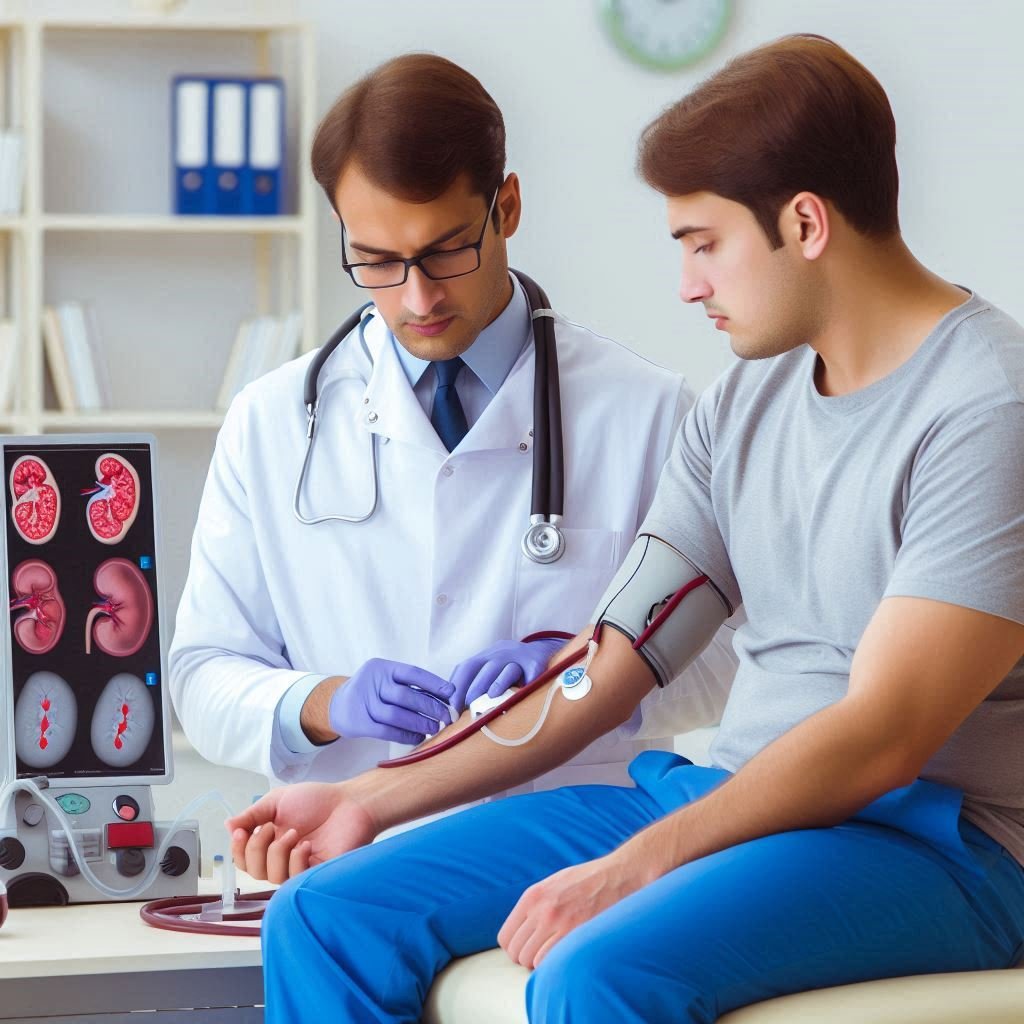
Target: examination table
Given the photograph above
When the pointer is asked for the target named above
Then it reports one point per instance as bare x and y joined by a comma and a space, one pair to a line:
489, 989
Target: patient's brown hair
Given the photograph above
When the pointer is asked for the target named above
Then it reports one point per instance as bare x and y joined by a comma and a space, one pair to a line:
414, 125
799, 114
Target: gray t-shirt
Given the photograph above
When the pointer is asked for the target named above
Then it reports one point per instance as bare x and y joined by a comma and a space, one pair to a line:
810, 510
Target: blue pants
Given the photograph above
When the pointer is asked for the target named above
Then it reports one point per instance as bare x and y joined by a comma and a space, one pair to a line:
905, 887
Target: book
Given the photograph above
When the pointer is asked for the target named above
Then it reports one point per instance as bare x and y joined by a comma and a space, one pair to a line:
12, 172
261, 344
99, 360
8, 364
290, 340
228, 388
57, 360
80, 358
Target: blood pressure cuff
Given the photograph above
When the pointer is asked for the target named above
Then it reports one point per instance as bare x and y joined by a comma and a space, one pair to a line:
652, 572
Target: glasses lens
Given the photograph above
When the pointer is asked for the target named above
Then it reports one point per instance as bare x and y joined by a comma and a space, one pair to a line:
453, 263
379, 275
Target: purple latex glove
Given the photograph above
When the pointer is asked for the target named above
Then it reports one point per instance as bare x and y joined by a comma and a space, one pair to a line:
392, 701
494, 670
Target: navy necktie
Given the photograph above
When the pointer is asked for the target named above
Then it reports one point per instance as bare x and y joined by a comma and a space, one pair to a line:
447, 415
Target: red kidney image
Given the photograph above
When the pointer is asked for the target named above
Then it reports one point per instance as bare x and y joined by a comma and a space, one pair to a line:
121, 620
115, 502
34, 586
36, 510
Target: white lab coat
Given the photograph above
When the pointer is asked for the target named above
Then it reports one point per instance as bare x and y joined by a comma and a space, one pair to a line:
437, 573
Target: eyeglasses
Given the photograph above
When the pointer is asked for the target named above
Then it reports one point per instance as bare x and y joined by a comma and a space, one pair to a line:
438, 265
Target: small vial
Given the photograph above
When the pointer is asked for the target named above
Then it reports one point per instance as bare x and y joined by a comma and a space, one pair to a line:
228, 889
218, 872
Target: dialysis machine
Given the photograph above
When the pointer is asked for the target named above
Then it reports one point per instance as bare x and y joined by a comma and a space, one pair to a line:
85, 710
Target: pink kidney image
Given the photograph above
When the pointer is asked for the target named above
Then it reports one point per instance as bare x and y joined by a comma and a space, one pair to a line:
34, 586
36, 509
120, 621
115, 499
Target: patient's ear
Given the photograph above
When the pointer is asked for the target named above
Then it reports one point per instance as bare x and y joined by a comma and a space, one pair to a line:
805, 223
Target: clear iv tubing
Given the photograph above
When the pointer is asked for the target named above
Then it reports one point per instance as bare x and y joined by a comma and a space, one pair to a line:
28, 786
501, 741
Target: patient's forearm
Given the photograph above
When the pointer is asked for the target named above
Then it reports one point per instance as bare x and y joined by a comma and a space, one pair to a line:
478, 767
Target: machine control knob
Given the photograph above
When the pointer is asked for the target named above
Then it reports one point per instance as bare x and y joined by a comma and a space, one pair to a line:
12, 853
176, 862
33, 815
130, 861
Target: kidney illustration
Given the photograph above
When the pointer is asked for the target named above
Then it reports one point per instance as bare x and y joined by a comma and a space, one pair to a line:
120, 621
36, 509
34, 586
122, 723
45, 719
115, 499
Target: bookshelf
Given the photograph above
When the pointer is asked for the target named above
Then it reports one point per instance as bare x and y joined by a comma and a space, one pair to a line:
96, 225
152, 277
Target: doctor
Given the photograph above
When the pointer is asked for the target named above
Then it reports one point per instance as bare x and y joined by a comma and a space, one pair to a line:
313, 651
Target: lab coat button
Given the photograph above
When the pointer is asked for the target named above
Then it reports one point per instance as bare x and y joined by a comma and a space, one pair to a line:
372, 418
442, 599
447, 471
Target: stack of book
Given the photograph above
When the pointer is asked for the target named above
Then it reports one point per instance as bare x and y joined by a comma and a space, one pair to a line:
12, 172
261, 344
75, 356
8, 364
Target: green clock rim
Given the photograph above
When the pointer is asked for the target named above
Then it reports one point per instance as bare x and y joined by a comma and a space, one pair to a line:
624, 43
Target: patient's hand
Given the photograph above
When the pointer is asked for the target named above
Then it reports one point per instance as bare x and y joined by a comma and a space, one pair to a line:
296, 827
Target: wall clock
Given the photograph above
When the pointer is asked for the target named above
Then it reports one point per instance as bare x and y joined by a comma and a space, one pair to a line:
665, 34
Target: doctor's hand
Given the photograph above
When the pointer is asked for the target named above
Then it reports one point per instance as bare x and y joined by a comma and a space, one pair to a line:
499, 667
296, 827
392, 701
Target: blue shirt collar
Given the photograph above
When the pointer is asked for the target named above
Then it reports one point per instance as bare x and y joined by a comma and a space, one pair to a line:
495, 350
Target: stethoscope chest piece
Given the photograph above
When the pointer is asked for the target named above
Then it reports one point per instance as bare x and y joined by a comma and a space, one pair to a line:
543, 541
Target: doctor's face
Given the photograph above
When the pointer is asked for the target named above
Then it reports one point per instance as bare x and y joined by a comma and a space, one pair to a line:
433, 319
768, 301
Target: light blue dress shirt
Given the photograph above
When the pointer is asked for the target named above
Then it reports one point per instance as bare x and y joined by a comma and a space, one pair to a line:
488, 362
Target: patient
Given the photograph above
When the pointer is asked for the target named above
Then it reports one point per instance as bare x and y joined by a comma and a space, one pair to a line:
854, 479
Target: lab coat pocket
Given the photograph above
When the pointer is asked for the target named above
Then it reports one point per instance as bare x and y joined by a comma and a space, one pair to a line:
562, 594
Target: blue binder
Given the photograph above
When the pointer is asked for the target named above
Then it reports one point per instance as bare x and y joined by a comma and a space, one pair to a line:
263, 179
229, 143
190, 144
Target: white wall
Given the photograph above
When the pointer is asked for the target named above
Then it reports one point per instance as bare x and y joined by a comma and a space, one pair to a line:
592, 234
595, 237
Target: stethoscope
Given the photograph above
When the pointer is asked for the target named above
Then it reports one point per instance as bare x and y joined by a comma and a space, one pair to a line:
543, 540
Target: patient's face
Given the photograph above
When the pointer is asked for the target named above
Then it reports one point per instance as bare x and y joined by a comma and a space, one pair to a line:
768, 301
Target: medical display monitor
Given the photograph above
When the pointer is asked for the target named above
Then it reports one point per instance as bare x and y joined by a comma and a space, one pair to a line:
84, 695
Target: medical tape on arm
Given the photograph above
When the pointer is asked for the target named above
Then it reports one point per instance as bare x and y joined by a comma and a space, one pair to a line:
652, 573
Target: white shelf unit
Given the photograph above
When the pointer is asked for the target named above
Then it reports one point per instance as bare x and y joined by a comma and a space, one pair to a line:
48, 253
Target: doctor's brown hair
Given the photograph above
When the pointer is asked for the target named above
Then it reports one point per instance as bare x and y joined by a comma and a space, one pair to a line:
414, 125
799, 114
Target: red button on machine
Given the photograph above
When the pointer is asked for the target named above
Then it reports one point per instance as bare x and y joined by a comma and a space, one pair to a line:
126, 808
123, 834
